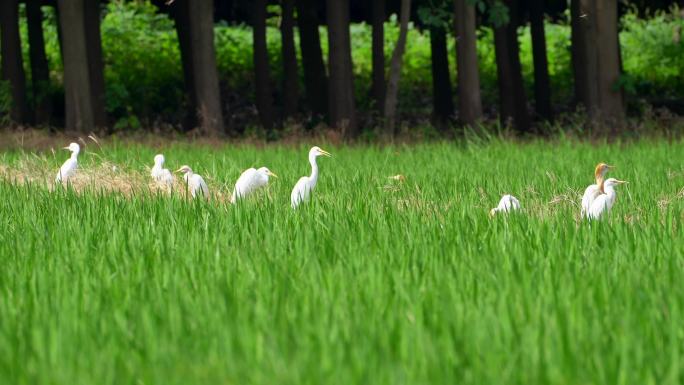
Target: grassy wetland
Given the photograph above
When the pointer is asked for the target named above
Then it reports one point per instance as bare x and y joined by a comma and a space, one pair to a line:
376, 281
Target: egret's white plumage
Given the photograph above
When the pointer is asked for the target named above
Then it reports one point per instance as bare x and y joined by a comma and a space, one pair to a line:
604, 202
69, 167
196, 184
507, 204
249, 181
302, 190
594, 190
159, 173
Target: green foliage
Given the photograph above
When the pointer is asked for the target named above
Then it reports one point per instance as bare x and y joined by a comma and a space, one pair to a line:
376, 282
144, 76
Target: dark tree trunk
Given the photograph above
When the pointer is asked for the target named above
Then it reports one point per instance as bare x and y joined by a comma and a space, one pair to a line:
262, 80
511, 89
205, 73
12, 63
290, 71
341, 92
40, 74
468, 76
378, 78
315, 79
596, 59
77, 91
542, 85
182, 23
441, 83
95, 62
395, 70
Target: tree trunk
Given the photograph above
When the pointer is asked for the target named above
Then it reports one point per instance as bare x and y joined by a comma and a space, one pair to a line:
290, 71
378, 71
441, 83
395, 70
264, 97
95, 62
77, 91
315, 79
542, 86
341, 92
468, 76
511, 89
205, 73
596, 59
182, 22
12, 62
40, 74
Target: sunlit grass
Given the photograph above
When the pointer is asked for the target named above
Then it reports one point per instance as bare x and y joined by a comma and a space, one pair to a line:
378, 281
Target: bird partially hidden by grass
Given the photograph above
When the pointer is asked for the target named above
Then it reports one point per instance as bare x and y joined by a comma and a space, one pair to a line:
69, 167
250, 181
195, 183
160, 174
594, 190
602, 204
508, 203
305, 185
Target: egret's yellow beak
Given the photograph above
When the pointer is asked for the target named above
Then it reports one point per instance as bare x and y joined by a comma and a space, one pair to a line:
270, 173
609, 167
66, 148
326, 153
179, 170
621, 181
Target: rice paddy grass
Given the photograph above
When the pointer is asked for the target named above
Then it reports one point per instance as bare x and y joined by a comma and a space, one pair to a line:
378, 280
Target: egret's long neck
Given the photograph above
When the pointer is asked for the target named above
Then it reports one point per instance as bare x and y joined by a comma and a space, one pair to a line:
611, 195
74, 155
314, 169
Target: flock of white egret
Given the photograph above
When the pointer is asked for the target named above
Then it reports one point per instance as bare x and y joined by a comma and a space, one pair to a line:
598, 198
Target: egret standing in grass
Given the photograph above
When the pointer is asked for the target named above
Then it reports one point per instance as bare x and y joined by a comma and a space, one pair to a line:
69, 167
604, 202
159, 173
249, 181
195, 182
507, 204
594, 190
302, 190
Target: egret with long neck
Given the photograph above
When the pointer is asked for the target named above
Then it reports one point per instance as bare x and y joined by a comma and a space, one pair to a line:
604, 202
302, 190
594, 190
69, 167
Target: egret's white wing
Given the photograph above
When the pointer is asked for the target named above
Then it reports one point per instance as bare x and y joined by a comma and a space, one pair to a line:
199, 186
245, 184
166, 177
300, 192
598, 207
590, 194
67, 170
508, 203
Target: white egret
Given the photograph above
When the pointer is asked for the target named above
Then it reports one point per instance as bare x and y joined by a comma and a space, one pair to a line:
594, 190
302, 190
507, 204
604, 202
249, 181
159, 173
69, 167
195, 182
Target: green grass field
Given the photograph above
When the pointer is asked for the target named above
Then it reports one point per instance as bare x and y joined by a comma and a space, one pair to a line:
375, 282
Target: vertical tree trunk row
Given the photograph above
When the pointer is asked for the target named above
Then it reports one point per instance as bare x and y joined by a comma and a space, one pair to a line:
182, 22
40, 74
468, 76
341, 105
315, 79
378, 53
264, 97
542, 84
95, 61
289, 53
395, 70
441, 83
12, 62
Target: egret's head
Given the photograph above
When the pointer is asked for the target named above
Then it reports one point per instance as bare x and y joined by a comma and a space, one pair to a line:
612, 182
266, 172
184, 169
73, 147
601, 170
317, 151
159, 159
